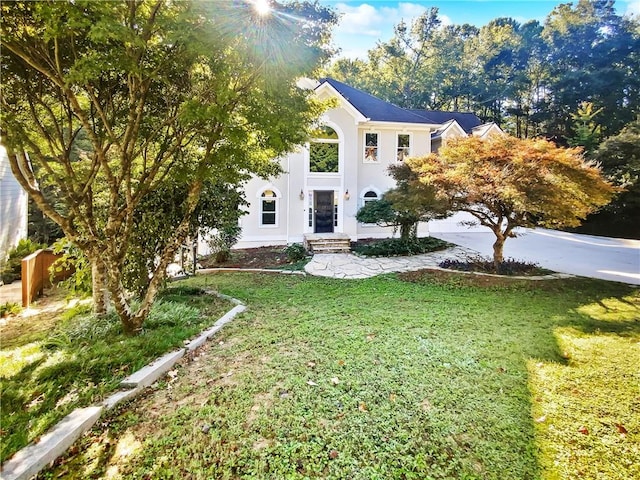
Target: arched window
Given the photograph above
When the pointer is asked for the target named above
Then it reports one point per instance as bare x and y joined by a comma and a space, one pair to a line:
268, 208
324, 151
370, 196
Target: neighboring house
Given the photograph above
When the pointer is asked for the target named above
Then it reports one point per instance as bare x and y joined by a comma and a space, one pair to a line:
13, 208
327, 180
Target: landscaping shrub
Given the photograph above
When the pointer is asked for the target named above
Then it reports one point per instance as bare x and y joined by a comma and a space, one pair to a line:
508, 267
74, 260
9, 308
221, 243
12, 269
397, 246
295, 252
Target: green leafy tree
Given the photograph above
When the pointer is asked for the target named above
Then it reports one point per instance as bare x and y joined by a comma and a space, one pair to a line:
404, 206
592, 56
165, 92
619, 157
506, 182
587, 131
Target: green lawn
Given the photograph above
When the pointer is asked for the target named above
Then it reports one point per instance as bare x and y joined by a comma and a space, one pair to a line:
51, 365
385, 378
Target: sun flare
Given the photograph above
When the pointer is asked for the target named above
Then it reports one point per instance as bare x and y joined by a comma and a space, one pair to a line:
262, 7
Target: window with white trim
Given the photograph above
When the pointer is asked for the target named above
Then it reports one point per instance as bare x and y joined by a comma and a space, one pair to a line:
268, 209
324, 151
371, 149
403, 146
369, 196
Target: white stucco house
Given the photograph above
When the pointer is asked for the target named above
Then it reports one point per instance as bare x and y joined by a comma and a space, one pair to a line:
327, 180
13, 208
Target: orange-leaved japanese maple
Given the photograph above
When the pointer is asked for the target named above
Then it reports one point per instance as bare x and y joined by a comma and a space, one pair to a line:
507, 182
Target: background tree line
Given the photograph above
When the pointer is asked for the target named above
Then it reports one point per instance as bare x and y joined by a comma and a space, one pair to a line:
575, 79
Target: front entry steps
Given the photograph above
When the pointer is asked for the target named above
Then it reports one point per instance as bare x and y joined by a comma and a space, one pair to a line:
327, 242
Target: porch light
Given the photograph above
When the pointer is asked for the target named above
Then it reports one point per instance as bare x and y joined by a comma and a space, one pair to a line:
301, 194
346, 195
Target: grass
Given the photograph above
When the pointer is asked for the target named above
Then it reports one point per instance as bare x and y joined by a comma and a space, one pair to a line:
417, 376
79, 359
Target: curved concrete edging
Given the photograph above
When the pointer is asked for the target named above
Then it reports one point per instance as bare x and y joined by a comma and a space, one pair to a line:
254, 270
28, 461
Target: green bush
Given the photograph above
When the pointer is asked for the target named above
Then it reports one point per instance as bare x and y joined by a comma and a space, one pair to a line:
396, 246
72, 259
9, 308
295, 252
12, 269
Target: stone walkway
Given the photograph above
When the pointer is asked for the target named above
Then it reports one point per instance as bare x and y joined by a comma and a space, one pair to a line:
348, 265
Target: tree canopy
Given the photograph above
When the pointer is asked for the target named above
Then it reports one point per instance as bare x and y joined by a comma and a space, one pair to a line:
108, 101
528, 77
506, 182
405, 205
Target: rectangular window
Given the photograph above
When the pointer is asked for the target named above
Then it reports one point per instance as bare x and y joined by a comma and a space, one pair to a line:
404, 146
268, 212
371, 147
323, 157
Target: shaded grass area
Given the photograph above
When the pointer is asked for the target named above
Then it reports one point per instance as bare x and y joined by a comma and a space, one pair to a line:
45, 374
428, 378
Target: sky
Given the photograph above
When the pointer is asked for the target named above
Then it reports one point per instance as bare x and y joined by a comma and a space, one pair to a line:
364, 22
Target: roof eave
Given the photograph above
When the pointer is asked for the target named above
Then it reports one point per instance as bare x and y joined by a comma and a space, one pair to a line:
357, 114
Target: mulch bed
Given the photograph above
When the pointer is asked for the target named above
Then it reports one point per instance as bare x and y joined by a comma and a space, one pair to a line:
262, 257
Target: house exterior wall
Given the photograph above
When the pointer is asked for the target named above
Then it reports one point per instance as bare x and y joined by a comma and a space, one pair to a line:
13, 208
354, 178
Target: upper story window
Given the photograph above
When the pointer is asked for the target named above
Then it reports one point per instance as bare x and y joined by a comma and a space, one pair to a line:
403, 146
268, 208
371, 148
324, 151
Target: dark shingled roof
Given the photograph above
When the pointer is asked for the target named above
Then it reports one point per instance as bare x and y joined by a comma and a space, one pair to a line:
381, 111
465, 119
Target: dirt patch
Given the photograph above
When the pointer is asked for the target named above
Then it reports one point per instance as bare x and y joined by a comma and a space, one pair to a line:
34, 322
262, 257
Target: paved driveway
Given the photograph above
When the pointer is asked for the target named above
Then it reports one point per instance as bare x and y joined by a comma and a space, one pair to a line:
586, 255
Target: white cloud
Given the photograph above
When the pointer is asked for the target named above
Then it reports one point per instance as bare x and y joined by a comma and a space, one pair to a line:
360, 24
445, 20
363, 19
374, 21
633, 7
410, 10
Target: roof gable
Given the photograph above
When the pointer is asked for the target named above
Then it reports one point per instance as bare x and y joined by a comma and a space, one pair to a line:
373, 108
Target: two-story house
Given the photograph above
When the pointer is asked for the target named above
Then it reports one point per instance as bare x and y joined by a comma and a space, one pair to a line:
327, 180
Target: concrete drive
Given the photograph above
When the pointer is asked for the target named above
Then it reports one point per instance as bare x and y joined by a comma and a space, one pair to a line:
585, 255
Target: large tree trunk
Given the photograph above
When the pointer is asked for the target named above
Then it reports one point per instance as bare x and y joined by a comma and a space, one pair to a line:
408, 231
498, 248
99, 286
132, 321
